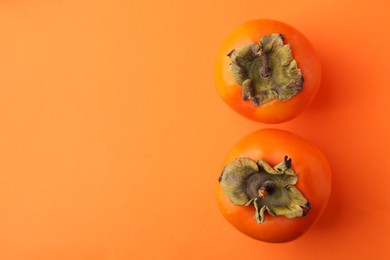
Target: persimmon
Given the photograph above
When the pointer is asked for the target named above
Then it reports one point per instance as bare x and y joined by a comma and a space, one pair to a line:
267, 71
273, 185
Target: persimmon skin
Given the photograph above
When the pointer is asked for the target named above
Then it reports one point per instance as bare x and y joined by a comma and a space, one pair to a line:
314, 181
274, 111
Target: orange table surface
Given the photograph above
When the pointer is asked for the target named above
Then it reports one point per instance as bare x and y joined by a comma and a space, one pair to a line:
112, 134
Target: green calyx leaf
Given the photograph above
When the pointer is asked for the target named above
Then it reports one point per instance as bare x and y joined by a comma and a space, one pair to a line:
232, 184
268, 189
266, 70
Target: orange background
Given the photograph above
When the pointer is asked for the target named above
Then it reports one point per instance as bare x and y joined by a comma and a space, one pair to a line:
112, 133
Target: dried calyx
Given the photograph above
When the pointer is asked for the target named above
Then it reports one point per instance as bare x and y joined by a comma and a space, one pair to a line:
272, 189
266, 70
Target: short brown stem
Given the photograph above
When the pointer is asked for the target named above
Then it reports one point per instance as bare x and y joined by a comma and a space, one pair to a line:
262, 193
266, 188
269, 186
259, 186
265, 70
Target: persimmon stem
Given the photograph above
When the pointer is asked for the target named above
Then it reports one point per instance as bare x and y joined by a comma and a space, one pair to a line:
265, 69
266, 188
258, 186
